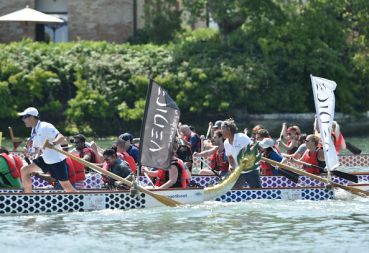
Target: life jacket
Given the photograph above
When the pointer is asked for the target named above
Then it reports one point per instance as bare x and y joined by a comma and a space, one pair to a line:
18, 163
182, 179
218, 161
79, 171
88, 150
338, 142
129, 159
14, 171
311, 159
71, 170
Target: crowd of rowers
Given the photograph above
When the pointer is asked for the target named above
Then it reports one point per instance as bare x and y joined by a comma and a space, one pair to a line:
221, 147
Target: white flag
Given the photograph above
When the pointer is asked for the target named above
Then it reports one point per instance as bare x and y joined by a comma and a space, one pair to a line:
324, 100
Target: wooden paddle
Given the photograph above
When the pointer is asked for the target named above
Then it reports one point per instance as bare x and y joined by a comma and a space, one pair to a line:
344, 175
1, 138
353, 190
163, 199
353, 149
15, 141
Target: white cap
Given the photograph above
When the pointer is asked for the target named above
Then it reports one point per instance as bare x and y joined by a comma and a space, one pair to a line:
29, 111
266, 143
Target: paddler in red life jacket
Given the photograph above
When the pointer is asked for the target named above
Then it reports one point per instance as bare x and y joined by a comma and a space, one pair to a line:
9, 169
313, 155
84, 152
177, 176
337, 137
292, 136
268, 151
218, 158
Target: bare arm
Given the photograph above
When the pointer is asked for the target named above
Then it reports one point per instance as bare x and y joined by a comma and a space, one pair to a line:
173, 176
232, 163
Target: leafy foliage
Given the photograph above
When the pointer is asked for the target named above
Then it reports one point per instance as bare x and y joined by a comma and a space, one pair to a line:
259, 63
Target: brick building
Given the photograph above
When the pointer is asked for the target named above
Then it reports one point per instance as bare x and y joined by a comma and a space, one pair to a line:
109, 20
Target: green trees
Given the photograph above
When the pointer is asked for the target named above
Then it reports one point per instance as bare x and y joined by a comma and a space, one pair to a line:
258, 62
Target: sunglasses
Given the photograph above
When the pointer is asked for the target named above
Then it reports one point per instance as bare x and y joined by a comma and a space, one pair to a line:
26, 116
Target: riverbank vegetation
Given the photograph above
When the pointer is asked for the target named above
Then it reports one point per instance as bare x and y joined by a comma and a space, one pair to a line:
259, 61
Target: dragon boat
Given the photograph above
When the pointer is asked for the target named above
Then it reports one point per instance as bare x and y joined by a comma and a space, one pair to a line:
46, 200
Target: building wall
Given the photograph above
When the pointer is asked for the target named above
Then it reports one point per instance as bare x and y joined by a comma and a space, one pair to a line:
107, 20
14, 31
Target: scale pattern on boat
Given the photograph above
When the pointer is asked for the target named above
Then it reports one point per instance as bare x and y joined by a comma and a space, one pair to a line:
62, 203
285, 194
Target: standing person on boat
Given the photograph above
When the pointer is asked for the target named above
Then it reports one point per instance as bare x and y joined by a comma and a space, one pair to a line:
190, 138
218, 158
314, 155
48, 160
233, 144
177, 176
131, 149
116, 166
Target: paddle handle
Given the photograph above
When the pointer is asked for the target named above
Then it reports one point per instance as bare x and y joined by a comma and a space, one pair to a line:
165, 200
11, 133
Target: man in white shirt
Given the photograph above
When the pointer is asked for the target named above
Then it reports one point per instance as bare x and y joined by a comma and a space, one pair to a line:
48, 160
233, 144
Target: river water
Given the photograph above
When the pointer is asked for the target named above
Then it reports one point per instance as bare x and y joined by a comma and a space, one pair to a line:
255, 226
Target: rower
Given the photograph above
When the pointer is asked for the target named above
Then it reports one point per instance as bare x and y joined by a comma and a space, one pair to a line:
176, 176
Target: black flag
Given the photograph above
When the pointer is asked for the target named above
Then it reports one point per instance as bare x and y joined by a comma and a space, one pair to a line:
159, 128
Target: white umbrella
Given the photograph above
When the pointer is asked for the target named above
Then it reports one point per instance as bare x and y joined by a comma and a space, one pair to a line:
30, 15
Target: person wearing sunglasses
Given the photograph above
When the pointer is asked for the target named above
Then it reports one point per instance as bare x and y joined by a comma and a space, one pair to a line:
47, 160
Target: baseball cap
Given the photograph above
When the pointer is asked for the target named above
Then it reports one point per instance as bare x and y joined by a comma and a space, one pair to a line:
29, 111
266, 143
218, 124
80, 137
126, 137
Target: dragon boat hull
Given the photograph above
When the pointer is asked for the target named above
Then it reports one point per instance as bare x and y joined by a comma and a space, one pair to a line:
49, 201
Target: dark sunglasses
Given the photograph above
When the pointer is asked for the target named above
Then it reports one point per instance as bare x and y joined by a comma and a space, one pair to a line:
26, 116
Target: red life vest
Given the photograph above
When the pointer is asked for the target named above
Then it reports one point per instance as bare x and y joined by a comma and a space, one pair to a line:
14, 171
312, 159
217, 161
88, 150
18, 163
71, 171
266, 169
129, 159
182, 179
79, 171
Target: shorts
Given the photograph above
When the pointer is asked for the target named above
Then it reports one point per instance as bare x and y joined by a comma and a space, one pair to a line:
59, 170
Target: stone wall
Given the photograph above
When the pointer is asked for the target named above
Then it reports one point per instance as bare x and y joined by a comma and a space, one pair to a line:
15, 31
107, 20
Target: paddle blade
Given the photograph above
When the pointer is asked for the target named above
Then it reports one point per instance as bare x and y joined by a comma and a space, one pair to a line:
353, 149
347, 176
163, 199
290, 175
